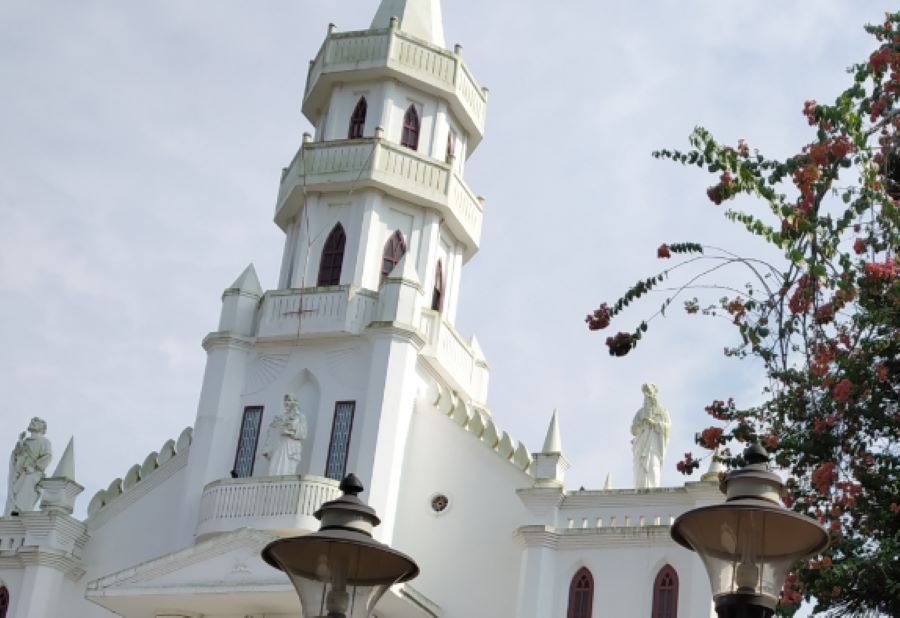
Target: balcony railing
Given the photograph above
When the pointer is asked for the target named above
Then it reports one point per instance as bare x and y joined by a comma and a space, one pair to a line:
393, 51
455, 359
316, 311
277, 503
345, 164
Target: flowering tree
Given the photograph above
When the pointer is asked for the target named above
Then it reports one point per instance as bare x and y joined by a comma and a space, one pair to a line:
823, 321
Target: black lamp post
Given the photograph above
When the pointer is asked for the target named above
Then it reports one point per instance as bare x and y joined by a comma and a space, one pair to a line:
749, 543
341, 571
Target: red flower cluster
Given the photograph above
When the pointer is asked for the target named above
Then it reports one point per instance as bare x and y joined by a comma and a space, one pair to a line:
790, 593
620, 344
859, 245
688, 464
720, 410
663, 252
884, 272
809, 110
825, 314
824, 477
802, 298
841, 391
599, 319
710, 437
880, 58
715, 194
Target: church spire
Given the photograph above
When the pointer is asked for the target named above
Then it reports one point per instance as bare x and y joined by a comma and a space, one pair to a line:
420, 18
553, 442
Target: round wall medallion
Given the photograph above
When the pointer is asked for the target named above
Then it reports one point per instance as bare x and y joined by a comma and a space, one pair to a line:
439, 503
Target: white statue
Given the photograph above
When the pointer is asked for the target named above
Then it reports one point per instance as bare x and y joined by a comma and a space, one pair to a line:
651, 427
29, 459
283, 446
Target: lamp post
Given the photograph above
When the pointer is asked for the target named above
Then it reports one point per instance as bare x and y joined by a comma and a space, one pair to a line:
749, 543
341, 571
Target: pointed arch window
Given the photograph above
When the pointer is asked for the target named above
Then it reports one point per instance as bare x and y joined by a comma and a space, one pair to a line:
437, 296
665, 593
332, 257
581, 594
394, 249
358, 119
4, 601
451, 146
410, 136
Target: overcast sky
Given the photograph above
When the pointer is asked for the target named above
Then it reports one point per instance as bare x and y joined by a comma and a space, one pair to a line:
141, 145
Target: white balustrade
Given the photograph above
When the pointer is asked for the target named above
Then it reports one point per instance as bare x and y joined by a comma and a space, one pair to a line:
313, 311
266, 503
453, 355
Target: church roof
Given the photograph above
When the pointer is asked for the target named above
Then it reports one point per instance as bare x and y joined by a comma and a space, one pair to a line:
420, 18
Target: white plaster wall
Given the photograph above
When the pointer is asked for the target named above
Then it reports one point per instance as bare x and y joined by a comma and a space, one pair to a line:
468, 558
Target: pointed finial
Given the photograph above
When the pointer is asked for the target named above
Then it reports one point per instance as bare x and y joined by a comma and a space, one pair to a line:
351, 485
66, 466
553, 443
247, 281
607, 484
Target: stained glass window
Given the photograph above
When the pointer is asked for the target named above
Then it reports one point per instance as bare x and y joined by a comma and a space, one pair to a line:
665, 593
358, 120
581, 594
339, 447
394, 249
332, 257
410, 135
249, 436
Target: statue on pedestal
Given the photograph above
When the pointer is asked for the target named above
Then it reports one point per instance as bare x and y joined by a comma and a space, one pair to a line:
283, 446
29, 459
651, 427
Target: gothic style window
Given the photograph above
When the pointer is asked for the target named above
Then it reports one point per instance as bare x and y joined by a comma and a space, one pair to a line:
410, 136
394, 249
665, 593
339, 447
358, 119
450, 146
581, 594
246, 449
332, 257
437, 296
4, 601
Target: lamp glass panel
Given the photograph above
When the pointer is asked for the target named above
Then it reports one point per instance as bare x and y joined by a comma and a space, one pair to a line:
336, 600
750, 551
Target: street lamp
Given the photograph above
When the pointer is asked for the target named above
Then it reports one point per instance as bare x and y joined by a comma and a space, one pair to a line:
749, 543
341, 571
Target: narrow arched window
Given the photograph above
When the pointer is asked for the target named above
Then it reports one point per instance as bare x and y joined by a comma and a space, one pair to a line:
437, 296
4, 601
358, 119
665, 593
581, 594
410, 136
394, 249
451, 146
332, 257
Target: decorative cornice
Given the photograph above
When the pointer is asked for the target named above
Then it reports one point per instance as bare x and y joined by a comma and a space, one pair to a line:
593, 538
65, 562
396, 329
220, 339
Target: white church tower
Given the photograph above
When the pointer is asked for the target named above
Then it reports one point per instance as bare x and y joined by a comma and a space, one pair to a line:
378, 223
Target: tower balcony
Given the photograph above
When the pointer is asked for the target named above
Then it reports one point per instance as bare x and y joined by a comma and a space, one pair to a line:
342, 165
281, 504
393, 54
316, 311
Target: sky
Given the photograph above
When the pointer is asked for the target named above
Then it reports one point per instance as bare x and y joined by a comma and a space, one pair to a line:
141, 145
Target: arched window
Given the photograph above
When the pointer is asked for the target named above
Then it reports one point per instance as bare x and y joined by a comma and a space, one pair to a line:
358, 119
665, 593
451, 146
332, 257
581, 594
437, 296
394, 249
4, 601
410, 136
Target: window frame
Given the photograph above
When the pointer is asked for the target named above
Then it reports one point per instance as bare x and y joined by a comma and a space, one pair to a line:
574, 589
237, 450
412, 126
666, 570
357, 127
397, 242
4, 601
329, 251
437, 293
331, 442
451, 146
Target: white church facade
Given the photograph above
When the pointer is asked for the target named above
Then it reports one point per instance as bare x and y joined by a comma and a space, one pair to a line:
354, 365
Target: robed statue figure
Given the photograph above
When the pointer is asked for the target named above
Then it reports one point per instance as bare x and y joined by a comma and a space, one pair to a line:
283, 446
29, 459
651, 427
